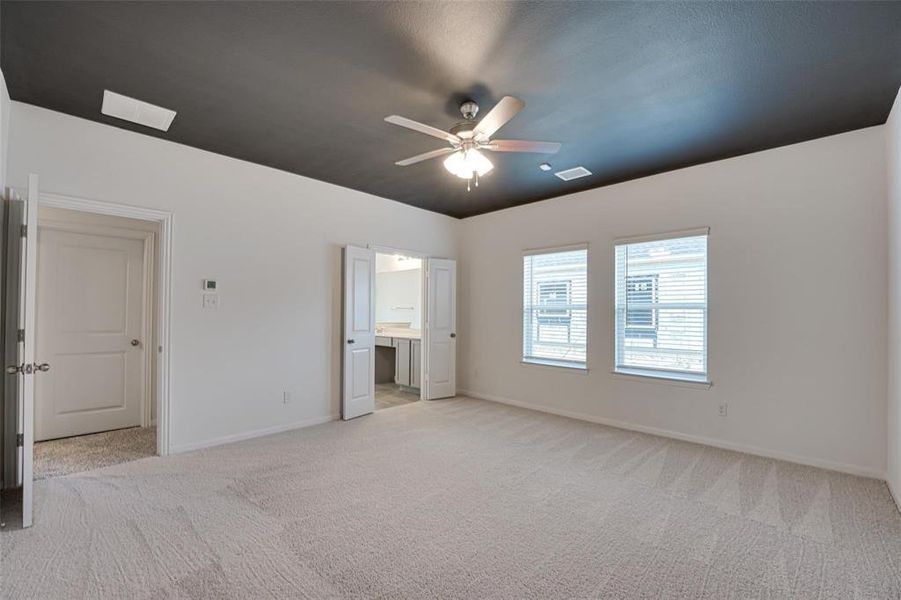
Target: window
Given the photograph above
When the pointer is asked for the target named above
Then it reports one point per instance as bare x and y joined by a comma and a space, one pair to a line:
661, 307
555, 297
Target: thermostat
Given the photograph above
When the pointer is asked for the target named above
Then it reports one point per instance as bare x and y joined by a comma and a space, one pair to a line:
209, 285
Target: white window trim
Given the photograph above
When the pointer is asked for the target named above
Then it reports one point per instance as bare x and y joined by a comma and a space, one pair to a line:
667, 235
553, 249
576, 367
658, 377
661, 376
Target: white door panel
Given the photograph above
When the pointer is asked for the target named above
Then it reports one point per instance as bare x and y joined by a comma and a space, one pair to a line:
361, 359
21, 368
358, 389
441, 345
441, 361
91, 306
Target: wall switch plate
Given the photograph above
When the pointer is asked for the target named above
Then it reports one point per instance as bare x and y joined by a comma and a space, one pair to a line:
724, 409
210, 285
286, 397
211, 301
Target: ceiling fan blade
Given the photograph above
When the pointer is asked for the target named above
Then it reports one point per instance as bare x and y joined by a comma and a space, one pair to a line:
502, 112
423, 128
522, 146
425, 156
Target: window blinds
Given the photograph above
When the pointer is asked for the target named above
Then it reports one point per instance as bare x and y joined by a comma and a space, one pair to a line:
661, 306
555, 299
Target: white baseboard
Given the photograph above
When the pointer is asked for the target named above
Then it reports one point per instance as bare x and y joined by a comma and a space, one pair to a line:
896, 496
237, 437
717, 443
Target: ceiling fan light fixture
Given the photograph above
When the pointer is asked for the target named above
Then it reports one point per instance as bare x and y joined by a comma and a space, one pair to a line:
467, 164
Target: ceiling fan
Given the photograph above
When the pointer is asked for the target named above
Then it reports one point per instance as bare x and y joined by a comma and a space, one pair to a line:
469, 138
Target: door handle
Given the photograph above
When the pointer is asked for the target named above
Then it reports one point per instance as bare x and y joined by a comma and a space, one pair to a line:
453, 335
27, 369
350, 341
135, 342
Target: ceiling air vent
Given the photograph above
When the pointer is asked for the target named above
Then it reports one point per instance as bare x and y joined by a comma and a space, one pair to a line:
136, 111
574, 173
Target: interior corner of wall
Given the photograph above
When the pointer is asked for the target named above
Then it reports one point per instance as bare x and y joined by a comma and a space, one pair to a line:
4, 129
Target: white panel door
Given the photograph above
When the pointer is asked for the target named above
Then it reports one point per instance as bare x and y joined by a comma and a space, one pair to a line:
26, 367
358, 390
91, 310
441, 329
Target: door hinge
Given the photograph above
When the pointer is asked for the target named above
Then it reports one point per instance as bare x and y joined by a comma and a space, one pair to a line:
20, 439
24, 231
20, 335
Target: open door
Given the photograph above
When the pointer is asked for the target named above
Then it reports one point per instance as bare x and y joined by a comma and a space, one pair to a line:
358, 393
441, 329
19, 344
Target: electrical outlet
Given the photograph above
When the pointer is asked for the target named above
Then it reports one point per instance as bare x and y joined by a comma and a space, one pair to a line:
724, 409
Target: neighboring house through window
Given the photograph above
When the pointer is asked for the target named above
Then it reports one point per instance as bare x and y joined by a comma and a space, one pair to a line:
661, 306
555, 297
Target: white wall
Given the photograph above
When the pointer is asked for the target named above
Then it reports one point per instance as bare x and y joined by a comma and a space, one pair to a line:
893, 172
398, 297
272, 240
797, 302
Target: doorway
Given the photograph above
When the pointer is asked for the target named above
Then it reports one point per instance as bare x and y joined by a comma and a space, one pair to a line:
399, 294
143, 272
96, 318
394, 333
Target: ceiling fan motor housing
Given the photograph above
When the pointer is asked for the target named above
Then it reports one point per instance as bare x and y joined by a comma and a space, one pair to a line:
469, 109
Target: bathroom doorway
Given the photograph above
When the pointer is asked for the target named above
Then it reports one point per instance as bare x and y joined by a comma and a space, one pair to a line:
399, 296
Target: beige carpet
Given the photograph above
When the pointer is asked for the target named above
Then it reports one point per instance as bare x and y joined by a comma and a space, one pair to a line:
87, 452
457, 499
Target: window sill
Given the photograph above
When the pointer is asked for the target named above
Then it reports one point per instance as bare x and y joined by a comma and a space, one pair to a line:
642, 376
573, 367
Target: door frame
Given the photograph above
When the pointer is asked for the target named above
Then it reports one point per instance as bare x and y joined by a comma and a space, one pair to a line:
163, 292
424, 311
148, 265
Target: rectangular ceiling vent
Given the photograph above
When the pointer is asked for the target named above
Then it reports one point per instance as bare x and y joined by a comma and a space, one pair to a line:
574, 173
136, 111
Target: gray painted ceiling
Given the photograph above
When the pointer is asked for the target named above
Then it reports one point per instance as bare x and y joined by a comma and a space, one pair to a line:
630, 89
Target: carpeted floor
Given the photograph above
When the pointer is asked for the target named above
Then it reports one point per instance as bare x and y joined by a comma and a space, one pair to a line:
457, 499
87, 452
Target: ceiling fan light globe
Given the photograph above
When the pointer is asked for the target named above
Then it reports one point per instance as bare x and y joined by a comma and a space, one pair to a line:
466, 164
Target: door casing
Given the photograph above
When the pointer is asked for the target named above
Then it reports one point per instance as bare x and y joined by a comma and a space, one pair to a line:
424, 299
163, 293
